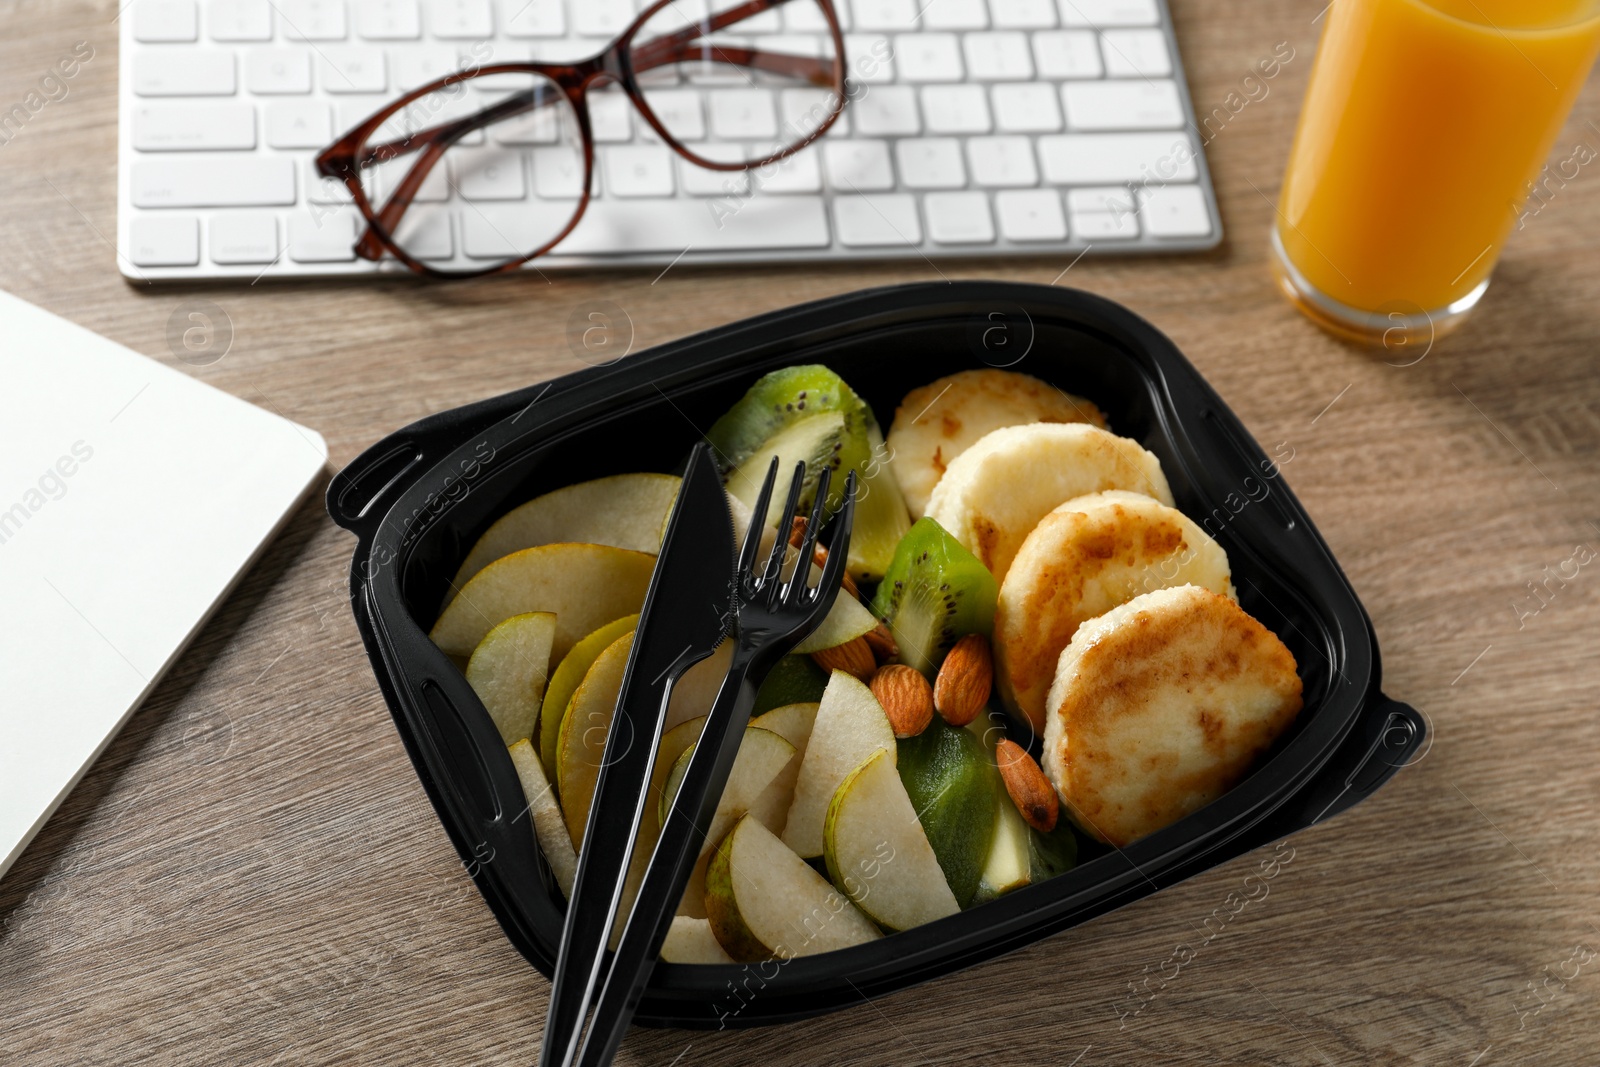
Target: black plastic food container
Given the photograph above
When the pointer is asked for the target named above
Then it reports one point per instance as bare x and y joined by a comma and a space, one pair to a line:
419, 499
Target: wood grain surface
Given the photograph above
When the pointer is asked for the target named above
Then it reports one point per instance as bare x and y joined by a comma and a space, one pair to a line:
252, 874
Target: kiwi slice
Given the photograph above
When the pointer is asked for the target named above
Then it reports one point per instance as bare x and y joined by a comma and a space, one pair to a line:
953, 790
792, 680
798, 413
934, 593
881, 516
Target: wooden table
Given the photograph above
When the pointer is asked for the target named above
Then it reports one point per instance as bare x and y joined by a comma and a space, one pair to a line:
251, 874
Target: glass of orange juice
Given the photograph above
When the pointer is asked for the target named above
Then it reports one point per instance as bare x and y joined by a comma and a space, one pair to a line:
1424, 129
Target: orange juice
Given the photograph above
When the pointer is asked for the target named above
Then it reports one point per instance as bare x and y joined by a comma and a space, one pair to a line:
1424, 127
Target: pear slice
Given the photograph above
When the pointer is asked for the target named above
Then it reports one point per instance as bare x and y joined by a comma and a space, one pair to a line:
564, 681
1009, 863
762, 756
548, 827
508, 670
877, 853
764, 901
793, 723
691, 941
585, 585
673, 744
881, 516
850, 726
581, 744
623, 511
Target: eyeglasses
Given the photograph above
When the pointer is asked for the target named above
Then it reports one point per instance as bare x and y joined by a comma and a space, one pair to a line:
489, 167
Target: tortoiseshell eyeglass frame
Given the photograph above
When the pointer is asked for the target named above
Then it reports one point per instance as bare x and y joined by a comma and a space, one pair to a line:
621, 62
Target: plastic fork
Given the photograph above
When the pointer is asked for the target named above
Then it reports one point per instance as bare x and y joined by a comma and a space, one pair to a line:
772, 616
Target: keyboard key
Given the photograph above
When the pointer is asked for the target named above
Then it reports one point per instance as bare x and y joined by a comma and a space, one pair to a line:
164, 241
887, 109
799, 173
388, 20
1028, 215
416, 67
488, 174
1023, 14
696, 180
505, 231
425, 234
1108, 12
1122, 105
321, 190
299, 124
247, 181
805, 109
1105, 214
679, 111
1002, 161
165, 20
956, 109
1136, 54
955, 15
1174, 211
998, 56
244, 237
1067, 54
869, 58
322, 236
959, 218
352, 111
876, 221
670, 226
342, 69
1026, 108
193, 127
239, 20
278, 70
557, 173
637, 170
183, 72
533, 18
1080, 159
857, 166
808, 18
604, 18
930, 163
611, 115
884, 14
928, 57
742, 114
539, 126
311, 20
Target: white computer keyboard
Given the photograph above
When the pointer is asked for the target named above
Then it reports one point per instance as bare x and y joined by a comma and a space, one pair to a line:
986, 128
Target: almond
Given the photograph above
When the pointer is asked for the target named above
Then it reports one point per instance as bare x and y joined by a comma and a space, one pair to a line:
1030, 791
852, 657
882, 642
819, 555
906, 697
962, 688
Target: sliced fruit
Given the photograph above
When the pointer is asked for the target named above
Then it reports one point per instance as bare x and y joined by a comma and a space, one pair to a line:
935, 593
508, 670
1160, 706
845, 621
850, 726
881, 517
878, 853
549, 829
581, 743
1052, 853
691, 941
762, 756
564, 682
797, 413
952, 789
793, 723
941, 420
764, 901
623, 511
794, 679
585, 585
1083, 559
673, 744
696, 689
1008, 865
996, 492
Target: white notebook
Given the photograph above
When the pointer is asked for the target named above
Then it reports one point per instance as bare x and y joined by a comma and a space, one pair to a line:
132, 497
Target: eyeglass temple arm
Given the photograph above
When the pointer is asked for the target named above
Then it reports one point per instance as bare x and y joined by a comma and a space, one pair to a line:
433, 143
